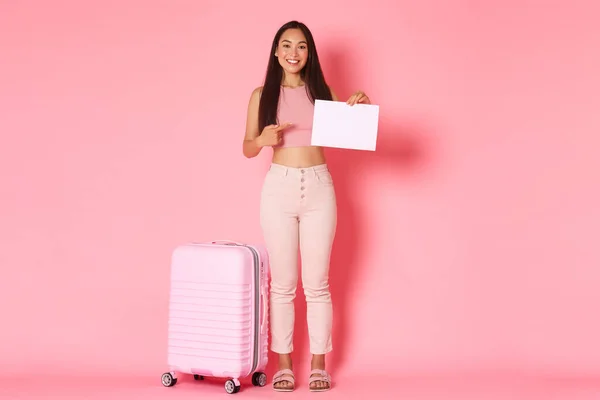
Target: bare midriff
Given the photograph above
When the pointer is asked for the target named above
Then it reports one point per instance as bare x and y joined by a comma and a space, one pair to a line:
299, 157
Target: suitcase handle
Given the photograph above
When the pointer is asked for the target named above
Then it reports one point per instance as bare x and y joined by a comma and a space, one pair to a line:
225, 242
263, 324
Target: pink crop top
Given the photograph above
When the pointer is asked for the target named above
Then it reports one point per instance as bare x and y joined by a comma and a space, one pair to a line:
295, 107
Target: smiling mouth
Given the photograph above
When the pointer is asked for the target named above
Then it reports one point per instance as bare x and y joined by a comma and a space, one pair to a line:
292, 62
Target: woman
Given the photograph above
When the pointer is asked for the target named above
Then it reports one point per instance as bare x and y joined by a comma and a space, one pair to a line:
298, 204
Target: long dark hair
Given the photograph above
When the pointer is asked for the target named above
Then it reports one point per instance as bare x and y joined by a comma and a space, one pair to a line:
311, 74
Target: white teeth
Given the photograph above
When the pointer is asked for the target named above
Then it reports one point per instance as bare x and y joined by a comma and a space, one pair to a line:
293, 61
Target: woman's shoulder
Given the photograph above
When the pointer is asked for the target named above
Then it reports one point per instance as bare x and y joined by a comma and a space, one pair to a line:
333, 95
257, 92
255, 95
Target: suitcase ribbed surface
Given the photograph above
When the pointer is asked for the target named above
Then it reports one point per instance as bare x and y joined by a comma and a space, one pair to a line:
211, 323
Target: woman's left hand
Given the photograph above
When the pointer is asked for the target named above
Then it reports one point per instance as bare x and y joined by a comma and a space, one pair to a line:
358, 97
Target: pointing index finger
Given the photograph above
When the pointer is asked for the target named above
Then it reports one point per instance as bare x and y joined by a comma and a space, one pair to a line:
283, 126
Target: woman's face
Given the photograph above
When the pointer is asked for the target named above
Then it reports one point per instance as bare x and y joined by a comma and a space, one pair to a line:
292, 51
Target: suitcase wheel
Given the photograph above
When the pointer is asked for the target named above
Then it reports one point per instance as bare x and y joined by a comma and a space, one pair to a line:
168, 380
232, 387
259, 379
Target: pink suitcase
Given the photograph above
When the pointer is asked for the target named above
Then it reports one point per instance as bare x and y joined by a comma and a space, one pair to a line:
218, 313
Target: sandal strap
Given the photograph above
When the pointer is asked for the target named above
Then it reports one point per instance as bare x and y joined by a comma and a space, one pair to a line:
284, 379
283, 372
284, 375
319, 376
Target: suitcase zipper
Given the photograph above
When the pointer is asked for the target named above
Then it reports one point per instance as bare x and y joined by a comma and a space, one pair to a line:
257, 285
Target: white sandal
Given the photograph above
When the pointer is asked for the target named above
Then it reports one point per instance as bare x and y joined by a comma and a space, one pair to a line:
319, 375
284, 375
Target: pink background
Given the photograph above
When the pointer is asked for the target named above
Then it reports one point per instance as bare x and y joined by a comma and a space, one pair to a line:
466, 241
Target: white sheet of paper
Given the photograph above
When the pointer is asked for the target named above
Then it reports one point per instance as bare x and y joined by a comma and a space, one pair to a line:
336, 124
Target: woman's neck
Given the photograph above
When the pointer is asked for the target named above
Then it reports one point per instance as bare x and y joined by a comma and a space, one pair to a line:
292, 81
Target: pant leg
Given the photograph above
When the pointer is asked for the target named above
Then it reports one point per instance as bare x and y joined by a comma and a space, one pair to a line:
318, 220
279, 222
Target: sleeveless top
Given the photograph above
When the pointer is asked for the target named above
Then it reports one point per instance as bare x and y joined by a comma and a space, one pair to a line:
295, 107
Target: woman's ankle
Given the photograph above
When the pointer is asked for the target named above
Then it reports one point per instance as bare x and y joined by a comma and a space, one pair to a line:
285, 361
317, 361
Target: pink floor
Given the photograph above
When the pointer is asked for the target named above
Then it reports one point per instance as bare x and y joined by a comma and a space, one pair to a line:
488, 387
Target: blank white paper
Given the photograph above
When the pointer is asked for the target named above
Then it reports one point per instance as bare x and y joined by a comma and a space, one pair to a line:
336, 124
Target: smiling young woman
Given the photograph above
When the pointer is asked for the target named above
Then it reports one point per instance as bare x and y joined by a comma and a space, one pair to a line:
298, 207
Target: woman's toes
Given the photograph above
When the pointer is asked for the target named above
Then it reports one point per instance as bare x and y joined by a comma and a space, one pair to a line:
319, 385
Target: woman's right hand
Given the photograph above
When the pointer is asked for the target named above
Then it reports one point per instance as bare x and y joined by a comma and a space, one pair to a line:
271, 135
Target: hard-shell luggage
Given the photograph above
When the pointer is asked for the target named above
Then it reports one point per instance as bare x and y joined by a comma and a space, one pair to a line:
218, 313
